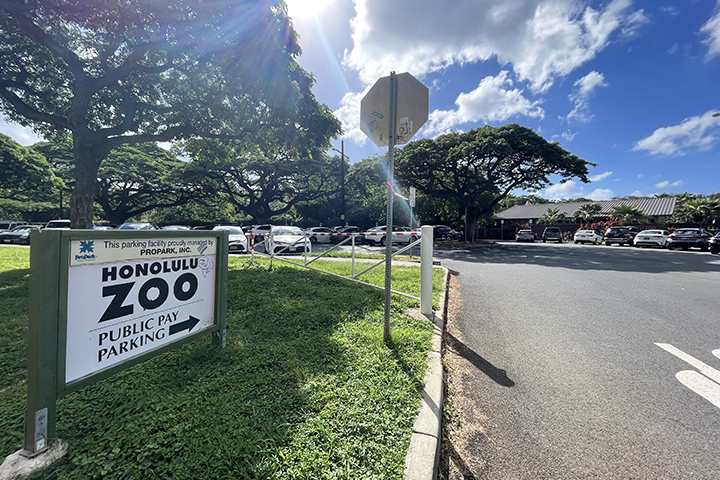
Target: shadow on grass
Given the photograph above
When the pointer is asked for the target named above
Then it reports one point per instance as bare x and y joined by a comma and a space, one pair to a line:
199, 411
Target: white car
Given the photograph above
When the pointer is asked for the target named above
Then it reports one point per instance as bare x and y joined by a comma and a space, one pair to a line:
320, 234
285, 239
651, 238
588, 236
237, 241
378, 235
525, 235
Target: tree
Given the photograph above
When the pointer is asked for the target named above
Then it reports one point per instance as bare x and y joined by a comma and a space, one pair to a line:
480, 167
589, 211
700, 210
110, 73
266, 179
627, 214
552, 217
27, 183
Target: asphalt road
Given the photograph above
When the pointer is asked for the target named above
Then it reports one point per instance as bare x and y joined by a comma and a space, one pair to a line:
565, 377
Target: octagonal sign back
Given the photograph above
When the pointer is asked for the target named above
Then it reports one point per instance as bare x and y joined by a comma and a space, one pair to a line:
412, 109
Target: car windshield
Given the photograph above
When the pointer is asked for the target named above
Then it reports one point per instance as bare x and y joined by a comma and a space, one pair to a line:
135, 226
22, 229
586, 231
651, 232
287, 231
687, 231
231, 230
525, 231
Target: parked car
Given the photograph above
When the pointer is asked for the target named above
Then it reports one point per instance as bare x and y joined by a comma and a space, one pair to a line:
320, 234
525, 235
620, 234
286, 239
176, 227
552, 234
58, 224
237, 241
651, 238
6, 225
344, 232
18, 235
137, 226
714, 244
587, 236
102, 227
259, 231
378, 235
443, 232
685, 238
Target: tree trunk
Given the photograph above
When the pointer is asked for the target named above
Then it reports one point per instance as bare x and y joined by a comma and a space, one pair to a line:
87, 162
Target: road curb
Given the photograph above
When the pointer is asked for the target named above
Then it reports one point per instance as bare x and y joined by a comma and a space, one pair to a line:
421, 461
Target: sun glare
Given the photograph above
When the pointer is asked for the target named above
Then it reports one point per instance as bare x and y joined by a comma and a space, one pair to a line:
299, 9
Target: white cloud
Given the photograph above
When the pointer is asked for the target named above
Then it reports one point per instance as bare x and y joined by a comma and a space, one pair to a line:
569, 189
22, 135
665, 184
712, 31
694, 132
636, 193
600, 194
640, 175
601, 176
541, 40
349, 116
572, 189
584, 89
492, 101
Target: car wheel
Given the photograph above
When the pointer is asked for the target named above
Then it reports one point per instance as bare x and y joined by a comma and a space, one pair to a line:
576, 242
607, 243
684, 248
313, 239
382, 242
714, 251
704, 248
543, 240
670, 246
413, 239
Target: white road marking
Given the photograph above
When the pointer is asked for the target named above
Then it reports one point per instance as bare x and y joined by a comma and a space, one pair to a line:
701, 385
705, 369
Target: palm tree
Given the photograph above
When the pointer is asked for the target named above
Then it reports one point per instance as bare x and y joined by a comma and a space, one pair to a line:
699, 210
552, 216
589, 211
627, 214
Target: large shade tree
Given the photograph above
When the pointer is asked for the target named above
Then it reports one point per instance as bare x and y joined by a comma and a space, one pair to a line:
110, 72
480, 167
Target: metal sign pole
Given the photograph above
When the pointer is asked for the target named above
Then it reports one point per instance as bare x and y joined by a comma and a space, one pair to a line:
389, 216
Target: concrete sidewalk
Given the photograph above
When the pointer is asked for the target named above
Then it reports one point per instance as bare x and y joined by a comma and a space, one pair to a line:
421, 461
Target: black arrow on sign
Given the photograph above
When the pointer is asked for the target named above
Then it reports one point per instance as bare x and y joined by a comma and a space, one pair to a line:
188, 325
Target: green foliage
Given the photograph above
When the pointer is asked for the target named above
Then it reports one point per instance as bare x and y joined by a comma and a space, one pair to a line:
698, 210
627, 214
588, 211
478, 168
115, 73
553, 216
304, 389
26, 175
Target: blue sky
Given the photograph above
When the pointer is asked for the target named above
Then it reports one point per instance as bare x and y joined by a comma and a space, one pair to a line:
628, 84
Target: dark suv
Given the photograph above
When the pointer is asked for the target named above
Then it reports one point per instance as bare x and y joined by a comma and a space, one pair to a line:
552, 234
689, 237
622, 235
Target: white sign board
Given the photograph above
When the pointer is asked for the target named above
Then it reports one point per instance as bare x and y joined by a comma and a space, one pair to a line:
412, 109
128, 297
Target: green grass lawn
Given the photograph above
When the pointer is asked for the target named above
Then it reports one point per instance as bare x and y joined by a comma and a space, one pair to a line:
304, 389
